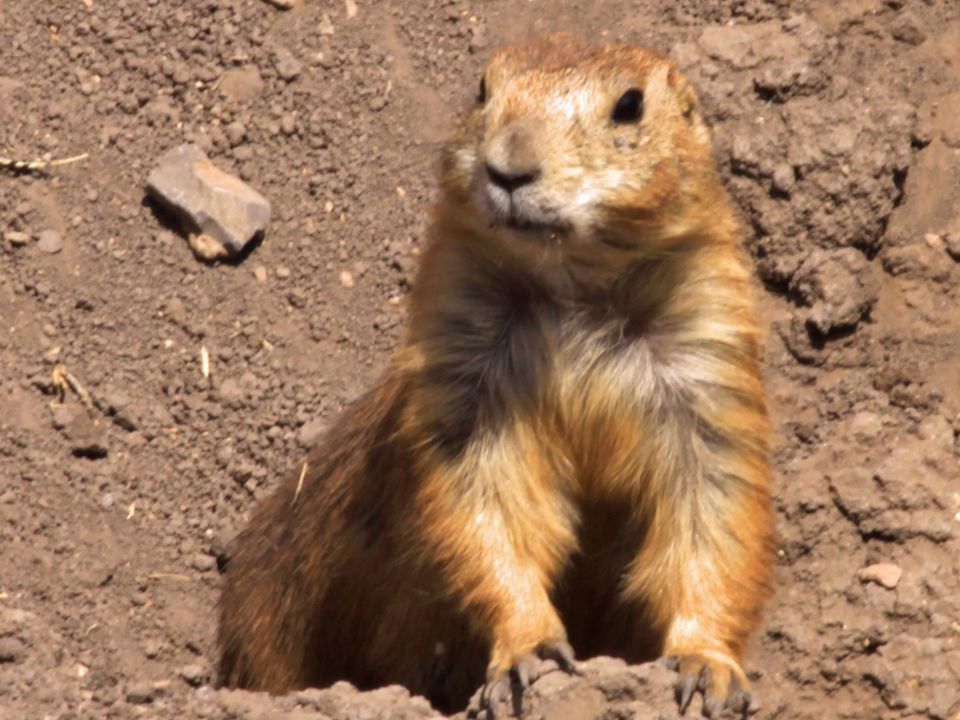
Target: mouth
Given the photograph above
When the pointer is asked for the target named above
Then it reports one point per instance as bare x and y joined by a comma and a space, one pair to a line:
525, 225
522, 215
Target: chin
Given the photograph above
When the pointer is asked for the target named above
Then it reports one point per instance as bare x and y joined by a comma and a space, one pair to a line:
530, 234
536, 228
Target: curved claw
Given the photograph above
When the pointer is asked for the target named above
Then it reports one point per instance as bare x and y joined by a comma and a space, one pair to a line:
686, 686
562, 654
494, 694
713, 706
526, 669
742, 702
723, 685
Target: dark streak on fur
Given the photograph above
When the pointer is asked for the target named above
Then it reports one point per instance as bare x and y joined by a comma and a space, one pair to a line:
495, 353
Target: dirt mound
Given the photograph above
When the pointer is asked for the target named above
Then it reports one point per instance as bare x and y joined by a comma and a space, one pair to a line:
123, 468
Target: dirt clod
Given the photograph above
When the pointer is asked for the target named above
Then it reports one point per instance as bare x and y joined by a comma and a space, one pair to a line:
140, 693
195, 675
837, 126
837, 287
885, 574
85, 434
242, 84
288, 67
11, 650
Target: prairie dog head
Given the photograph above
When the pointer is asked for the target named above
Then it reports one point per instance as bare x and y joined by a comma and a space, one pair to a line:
581, 147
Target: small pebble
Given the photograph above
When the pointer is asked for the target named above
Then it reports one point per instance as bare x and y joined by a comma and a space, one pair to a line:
140, 693
865, 426
260, 273
152, 648
288, 67
283, 272
203, 562
176, 310
311, 432
346, 279
297, 298
288, 124
106, 502
951, 243
885, 574
11, 650
232, 391
478, 39
15, 238
194, 675
783, 178
236, 132
225, 454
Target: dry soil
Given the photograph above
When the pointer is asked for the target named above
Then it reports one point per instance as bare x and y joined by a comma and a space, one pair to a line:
838, 132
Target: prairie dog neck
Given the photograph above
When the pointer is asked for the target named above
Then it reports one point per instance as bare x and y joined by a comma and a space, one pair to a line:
637, 290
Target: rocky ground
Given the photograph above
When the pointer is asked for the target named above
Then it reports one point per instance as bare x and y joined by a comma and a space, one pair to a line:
123, 469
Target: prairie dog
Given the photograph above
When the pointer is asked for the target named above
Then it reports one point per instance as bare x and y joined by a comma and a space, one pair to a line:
569, 453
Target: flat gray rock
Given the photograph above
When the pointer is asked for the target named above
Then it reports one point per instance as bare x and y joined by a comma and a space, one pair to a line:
222, 212
50, 241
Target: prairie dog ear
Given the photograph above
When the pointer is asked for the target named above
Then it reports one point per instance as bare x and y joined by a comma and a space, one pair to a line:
689, 104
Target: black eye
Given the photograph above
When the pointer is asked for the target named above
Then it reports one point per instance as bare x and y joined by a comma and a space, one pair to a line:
629, 107
482, 94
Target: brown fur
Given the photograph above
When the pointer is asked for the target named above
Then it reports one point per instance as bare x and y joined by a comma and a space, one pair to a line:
572, 442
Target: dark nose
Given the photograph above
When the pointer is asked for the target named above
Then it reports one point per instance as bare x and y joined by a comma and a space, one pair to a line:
510, 181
